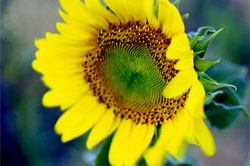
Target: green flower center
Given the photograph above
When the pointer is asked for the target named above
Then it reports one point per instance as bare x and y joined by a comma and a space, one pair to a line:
133, 75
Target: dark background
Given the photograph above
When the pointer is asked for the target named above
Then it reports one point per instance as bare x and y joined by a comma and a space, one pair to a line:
27, 136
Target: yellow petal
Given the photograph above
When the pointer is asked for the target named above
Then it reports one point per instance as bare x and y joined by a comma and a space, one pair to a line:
155, 156
61, 83
80, 25
179, 149
129, 142
63, 48
180, 83
64, 97
74, 34
195, 100
46, 66
104, 127
135, 9
119, 146
148, 6
139, 140
179, 47
115, 7
170, 18
177, 146
204, 137
79, 119
125, 9
95, 7
55, 57
185, 63
77, 9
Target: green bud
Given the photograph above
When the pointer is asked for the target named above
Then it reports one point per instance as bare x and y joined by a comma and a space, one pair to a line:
185, 16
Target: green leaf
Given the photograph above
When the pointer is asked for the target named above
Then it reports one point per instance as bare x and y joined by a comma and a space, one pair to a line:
185, 16
211, 95
232, 74
228, 72
203, 43
201, 65
102, 157
230, 98
210, 84
220, 116
225, 109
177, 3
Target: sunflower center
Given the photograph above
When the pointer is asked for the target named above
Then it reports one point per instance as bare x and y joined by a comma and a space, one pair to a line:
132, 74
129, 70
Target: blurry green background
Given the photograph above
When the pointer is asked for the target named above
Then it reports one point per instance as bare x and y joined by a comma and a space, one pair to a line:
27, 136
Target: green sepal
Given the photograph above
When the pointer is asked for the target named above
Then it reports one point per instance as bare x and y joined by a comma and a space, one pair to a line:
185, 16
205, 31
200, 40
202, 32
203, 43
198, 53
177, 3
193, 41
211, 95
210, 84
201, 65
102, 156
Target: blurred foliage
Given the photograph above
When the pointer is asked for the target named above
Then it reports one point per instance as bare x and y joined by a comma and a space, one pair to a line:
27, 136
102, 157
222, 103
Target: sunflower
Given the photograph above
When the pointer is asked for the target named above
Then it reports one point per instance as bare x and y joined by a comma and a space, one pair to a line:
125, 69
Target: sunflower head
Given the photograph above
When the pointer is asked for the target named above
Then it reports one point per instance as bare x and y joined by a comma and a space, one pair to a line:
127, 68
